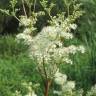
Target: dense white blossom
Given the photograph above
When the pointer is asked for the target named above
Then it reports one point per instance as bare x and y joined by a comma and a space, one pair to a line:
23, 37
73, 26
72, 49
60, 78
31, 94
81, 49
67, 60
53, 32
67, 87
67, 35
27, 31
70, 84
25, 21
46, 47
17, 93
50, 32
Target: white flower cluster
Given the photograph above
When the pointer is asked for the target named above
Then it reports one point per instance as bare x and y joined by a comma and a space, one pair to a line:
23, 37
74, 49
54, 32
92, 92
17, 93
73, 26
28, 24
31, 92
66, 86
27, 31
81, 49
25, 21
66, 35
60, 78
47, 47
64, 23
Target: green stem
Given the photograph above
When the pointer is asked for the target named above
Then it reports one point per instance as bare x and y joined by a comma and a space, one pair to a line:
24, 8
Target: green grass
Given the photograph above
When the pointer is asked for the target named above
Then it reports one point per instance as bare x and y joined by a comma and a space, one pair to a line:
15, 66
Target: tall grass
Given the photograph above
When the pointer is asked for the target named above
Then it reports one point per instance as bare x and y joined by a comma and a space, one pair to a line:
15, 66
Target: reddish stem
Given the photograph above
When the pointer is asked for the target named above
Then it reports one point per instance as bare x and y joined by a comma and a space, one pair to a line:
47, 86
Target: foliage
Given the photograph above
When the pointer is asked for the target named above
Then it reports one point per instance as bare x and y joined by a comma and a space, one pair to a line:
83, 71
92, 92
47, 48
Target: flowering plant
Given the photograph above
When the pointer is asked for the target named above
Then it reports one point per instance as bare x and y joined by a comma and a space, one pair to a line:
47, 47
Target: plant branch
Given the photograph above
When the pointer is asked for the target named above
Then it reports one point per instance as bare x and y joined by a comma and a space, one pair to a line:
24, 8
34, 5
44, 69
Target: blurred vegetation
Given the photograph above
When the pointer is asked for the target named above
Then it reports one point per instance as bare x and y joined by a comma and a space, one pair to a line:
16, 67
84, 68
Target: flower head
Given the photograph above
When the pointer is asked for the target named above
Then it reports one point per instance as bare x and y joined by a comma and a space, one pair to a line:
23, 37
81, 49
25, 21
60, 78
73, 26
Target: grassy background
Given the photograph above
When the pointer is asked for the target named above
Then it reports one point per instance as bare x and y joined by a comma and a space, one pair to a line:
15, 66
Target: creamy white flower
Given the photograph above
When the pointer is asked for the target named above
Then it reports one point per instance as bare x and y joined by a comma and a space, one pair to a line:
67, 35
71, 84
53, 46
47, 58
73, 26
68, 87
17, 93
31, 94
57, 92
47, 46
72, 49
50, 32
67, 60
59, 81
60, 78
81, 49
27, 31
25, 21
58, 43
26, 38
